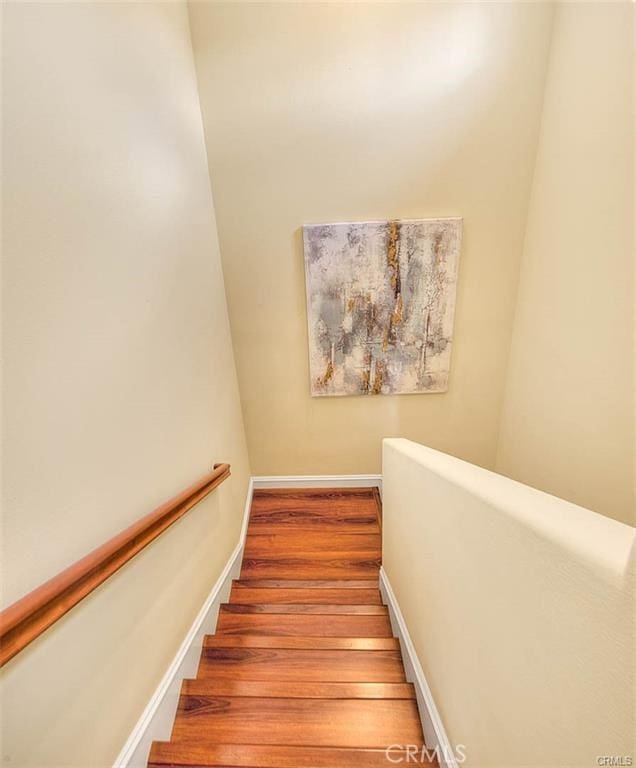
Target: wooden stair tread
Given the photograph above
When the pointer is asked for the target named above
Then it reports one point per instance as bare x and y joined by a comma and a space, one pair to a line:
203, 754
307, 542
306, 608
328, 508
327, 501
302, 665
303, 624
307, 584
321, 494
296, 641
301, 511
296, 689
255, 596
308, 524
312, 722
323, 565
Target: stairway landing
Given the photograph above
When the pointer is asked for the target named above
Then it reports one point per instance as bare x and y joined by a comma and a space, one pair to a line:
303, 671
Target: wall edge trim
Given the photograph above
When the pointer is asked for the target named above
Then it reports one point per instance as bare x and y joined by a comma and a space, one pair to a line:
317, 481
432, 725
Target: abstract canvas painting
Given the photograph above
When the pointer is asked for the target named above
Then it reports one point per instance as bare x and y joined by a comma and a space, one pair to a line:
380, 305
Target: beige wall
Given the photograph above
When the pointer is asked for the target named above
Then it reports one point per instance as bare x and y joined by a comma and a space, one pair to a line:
353, 111
520, 607
118, 370
568, 414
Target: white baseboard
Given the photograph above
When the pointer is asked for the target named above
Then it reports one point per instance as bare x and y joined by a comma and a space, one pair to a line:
155, 723
318, 481
434, 732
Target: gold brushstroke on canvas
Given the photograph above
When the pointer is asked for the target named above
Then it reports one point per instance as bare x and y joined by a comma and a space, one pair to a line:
380, 305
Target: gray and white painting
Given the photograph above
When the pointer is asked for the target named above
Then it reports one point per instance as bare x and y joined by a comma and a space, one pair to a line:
380, 305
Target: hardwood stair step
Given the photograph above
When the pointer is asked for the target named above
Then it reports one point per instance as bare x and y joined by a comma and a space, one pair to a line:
306, 542
301, 665
302, 512
307, 584
307, 525
292, 508
297, 722
311, 608
291, 642
203, 754
303, 624
323, 494
324, 499
255, 596
319, 565
297, 690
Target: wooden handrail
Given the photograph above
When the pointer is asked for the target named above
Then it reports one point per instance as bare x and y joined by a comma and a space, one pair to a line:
30, 616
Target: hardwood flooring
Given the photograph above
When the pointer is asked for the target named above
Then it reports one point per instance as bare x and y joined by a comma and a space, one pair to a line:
303, 671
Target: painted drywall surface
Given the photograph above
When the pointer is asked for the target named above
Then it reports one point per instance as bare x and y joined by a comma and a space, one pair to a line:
119, 378
520, 607
568, 414
358, 111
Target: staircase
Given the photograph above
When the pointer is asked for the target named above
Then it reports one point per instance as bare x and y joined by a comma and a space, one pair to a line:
303, 671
